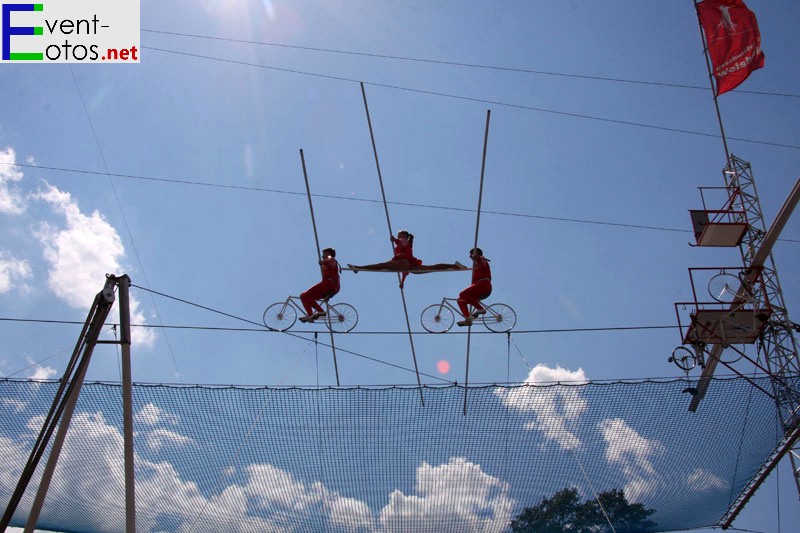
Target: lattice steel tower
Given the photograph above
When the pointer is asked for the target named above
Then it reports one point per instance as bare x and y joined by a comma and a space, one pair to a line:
747, 309
777, 346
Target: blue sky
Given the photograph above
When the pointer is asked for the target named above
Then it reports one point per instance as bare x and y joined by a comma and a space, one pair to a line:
584, 211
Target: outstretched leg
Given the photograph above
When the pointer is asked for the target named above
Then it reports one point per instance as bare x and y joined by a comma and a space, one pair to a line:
424, 269
397, 265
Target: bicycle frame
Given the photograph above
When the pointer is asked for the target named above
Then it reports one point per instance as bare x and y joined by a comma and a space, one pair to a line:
446, 303
294, 301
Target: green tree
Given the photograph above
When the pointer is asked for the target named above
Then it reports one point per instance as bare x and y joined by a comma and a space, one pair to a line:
565, 512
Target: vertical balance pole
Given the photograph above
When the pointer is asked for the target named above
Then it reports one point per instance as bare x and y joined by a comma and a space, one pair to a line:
391, 234
477, 227
319, 256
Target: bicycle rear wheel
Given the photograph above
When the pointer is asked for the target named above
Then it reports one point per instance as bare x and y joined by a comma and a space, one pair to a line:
683, 358
499, 318
280, 316
341, 318
723, 287
437, 318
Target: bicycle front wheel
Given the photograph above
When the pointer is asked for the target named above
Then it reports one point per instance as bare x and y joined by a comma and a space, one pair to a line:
280, 316
499, 318
437, 318
341, 318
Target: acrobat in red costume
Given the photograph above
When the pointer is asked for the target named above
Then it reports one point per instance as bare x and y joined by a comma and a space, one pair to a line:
480, 289
404, 261
327, 288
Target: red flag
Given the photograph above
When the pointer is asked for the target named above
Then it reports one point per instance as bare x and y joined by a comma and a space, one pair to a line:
734, 42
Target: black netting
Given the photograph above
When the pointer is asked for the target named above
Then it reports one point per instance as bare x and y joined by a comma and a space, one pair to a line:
265, 459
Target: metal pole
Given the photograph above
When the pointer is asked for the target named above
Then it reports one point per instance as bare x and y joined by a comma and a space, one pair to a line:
711, 82
127, 403
466, 372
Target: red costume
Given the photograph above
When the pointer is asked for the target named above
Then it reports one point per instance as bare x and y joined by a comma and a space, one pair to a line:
327, 288
404, 249
481, 286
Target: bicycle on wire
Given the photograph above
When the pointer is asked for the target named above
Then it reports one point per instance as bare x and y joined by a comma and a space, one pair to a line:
439, 318
339, 318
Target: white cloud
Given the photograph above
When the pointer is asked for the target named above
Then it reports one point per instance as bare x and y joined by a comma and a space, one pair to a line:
633, 453
159, 438
269, 500
81, 254
16, 405
701, 480
556, 407
35, 424
11, 271
11, 453
278, 494
42, 373
11, 201
457, 496
153, 415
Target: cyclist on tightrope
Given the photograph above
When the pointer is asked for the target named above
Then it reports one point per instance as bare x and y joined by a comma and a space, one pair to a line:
325, 289
480, 289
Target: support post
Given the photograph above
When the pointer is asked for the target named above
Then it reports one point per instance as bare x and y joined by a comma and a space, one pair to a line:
127, 403
104, 300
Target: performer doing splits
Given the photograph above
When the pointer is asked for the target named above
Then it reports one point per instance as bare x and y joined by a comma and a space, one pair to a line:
404, 260
327, 288
480, 289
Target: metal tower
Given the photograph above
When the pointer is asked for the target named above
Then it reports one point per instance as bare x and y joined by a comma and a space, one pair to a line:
741, 223
777, 346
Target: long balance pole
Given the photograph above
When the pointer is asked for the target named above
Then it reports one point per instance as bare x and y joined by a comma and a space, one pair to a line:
391, 234
319, 256
477, 227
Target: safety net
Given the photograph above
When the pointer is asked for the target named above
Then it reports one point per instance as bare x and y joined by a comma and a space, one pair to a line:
377, 459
